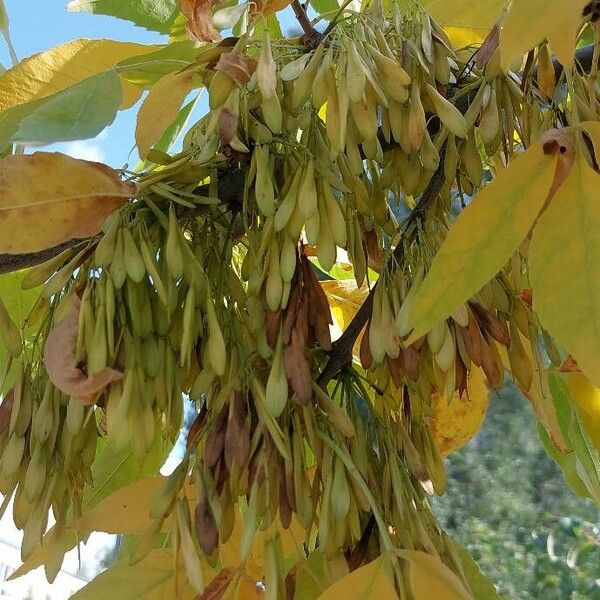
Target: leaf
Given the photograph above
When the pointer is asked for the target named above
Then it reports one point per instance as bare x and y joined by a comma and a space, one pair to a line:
156, 15
48, 198
79, 112
431, 578
345, 298
529, 22
49, 72
325, 6
481, 586
367, 582
227, 17
171, 133
127, 509
566, 243
199, 19
483, 238
152, 578
145, 70
161, 108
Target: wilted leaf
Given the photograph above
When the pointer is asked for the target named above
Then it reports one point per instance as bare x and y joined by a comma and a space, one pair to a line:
59, 359
151, 579
529, 22
79, 112
431, 578
161, 108
238, 67
366, 583
49, 72
199, 19
157, 15
49, 198
483, 238
270, 7
566, 243
228, 125
218, 586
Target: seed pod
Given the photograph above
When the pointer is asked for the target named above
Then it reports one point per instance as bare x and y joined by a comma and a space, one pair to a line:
149, 258
215, 346
340, 490
12, 456
287, 259
134, 264
276, 393
489, 124
470, 159
417, 123
304, 83
449, 115
444, 358
288, 203
263, 187
274, 286
173, 251
35, 477
355, 73
117, 268
219, 88
335, 216
520, 364
98, 352
326, 250
39, 274
450, 159
307, 195
391, 75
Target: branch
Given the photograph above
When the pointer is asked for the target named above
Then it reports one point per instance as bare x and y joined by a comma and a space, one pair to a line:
16, 262
311, 38
340, 355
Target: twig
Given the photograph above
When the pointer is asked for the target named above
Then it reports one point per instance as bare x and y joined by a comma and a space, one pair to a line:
311, 38
340, 355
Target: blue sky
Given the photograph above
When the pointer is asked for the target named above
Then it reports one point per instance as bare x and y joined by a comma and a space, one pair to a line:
38, 25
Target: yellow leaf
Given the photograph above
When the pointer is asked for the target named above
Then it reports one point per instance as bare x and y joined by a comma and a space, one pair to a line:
161, 108
529, 22
151, 579
48, 198
564, 260
431, 578
586, 397
345, 298
49, 72
366, 583
126, 510
483, 238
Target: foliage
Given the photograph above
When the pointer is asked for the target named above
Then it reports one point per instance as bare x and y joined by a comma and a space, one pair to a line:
308, 466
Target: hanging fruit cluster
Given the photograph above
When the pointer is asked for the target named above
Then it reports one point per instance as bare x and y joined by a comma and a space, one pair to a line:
204, 285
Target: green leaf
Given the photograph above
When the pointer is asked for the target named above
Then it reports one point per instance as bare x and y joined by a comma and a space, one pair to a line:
79, 112
147, 69
156, 15
325, 6
480, 585
566, 243
152, 578
169, 137
483, 238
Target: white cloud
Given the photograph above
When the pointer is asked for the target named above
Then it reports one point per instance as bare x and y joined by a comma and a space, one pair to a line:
84, 149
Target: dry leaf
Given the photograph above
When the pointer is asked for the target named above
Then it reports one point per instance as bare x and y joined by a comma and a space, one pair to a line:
59, 358
559, 142
48, 198
199, 19
297, 368
238, 67
488, 47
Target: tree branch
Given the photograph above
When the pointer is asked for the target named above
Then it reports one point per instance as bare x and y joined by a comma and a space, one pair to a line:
16, 262
311, 38
340, 355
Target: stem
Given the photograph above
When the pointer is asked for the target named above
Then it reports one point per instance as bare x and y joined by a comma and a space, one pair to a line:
311, 37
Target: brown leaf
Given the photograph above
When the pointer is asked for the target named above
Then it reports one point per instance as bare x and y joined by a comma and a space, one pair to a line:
216, 589
59, 358
410, 362
199, 19
6, 410
228, 125
489, 322
273, 326
237, 66
206, 527
569, 366
560, 142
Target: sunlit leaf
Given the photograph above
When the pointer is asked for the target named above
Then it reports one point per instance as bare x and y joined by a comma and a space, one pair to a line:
54, 70
566, 243
370, 581
161, 108
477, 16
49, 198
483, 238
157, 15
529, 22
481, 586
431, 578
344, 299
